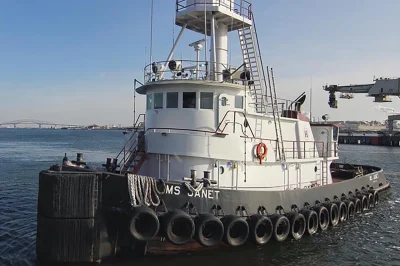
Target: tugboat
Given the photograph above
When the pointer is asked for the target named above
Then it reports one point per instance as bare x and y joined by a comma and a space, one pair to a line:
217, 160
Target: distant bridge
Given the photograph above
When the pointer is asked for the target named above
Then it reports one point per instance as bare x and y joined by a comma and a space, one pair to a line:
37, 122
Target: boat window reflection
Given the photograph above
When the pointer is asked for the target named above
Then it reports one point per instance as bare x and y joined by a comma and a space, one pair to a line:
158, 100
149, 104
172, 99
189, 100
206, 100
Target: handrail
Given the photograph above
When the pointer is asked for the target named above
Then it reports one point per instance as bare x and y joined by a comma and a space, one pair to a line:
234, 121
243, 9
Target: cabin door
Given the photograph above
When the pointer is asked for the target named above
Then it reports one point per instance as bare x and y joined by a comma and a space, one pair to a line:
223, 116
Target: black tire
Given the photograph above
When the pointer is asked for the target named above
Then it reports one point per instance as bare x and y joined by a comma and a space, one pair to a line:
236, 230
281, 227
343, 211
261, 229
333, 213
364, 202
351, 209
178, 227
323, 217
375, 194
311, 221
371, 200
144, 224
297, 224
357, 205
209, 230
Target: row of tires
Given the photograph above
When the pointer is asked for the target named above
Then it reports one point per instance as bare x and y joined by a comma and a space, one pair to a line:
179, 227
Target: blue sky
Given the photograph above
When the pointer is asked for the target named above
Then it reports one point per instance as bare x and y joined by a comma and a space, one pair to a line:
75, 61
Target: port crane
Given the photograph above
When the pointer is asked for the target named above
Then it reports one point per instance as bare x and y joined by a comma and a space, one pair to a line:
381, 89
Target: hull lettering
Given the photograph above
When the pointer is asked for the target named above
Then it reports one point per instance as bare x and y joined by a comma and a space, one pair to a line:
204, 193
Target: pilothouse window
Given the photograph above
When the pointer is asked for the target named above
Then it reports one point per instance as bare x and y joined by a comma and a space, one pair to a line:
149, 104
239, 102
189, 100
158, 100
206, 100
172, 99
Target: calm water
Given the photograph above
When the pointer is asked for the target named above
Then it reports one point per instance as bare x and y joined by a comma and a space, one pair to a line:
371, 239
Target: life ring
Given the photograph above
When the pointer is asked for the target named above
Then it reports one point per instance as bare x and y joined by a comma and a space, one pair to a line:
262, 155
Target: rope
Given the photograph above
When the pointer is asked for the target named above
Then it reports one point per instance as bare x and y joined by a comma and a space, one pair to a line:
143, 190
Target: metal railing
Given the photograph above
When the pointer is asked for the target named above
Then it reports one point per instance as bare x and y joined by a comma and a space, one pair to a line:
184, 70
240, 7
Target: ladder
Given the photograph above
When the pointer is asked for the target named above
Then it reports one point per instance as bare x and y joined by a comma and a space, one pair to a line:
324, 170
258, 83
277, 121
253, 65
133, 156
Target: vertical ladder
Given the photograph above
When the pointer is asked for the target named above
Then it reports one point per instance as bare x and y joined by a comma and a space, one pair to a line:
324, 169
277, 121
258, 83
252, 57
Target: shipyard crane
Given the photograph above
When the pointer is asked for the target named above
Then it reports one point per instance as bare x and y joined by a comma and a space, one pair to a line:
381, 90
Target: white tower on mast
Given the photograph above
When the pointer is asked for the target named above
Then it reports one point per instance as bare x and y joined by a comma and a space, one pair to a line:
219, 17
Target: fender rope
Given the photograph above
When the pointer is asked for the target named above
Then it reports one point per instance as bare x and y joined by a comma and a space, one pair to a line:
143, 190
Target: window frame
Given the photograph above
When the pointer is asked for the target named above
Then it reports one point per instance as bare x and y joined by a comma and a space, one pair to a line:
201, 100
177, 99
149, 104
242, 101
154, 100
195, 99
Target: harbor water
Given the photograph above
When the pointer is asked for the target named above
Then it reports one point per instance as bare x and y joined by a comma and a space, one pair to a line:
370, 239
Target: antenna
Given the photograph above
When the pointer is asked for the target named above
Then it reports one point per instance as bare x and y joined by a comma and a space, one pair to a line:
205, 36
151, 32
311, 101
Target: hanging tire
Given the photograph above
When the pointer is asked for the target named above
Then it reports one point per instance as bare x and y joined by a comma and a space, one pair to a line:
371, 200
178, 227
323, 217
333, 213
351, 209
343, 212
375, 195
364, 202
311, 221
236, 230
357, 205
281, 227
261, 229
144, 224
297, 224
209, 230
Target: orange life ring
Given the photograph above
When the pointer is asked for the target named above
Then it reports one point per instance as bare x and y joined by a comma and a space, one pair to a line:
262, 155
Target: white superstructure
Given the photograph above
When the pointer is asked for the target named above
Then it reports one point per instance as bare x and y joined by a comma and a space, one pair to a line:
209, 116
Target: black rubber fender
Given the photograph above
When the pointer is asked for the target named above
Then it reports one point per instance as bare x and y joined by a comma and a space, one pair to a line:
281, 227
364, 202
351, 209
333, 213
236, 230
209, 230
144, 224
297, 224
343, 211
261, 229
312, 224
357, 205
375, 195
323, 217
370, 198
177, 226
